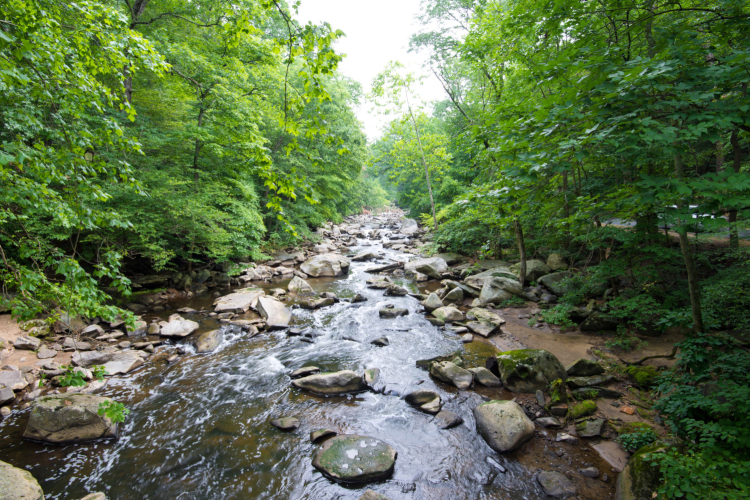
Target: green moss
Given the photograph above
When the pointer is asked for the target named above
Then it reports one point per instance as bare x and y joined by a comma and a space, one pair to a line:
582, 409
509, 359
558, 392
633, 427
644, 376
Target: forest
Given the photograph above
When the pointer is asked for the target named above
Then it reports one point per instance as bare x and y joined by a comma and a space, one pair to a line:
143, 137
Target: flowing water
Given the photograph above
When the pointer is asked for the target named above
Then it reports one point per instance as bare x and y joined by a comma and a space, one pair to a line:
199, 428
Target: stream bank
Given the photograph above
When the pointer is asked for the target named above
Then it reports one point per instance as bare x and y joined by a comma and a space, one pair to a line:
200, 423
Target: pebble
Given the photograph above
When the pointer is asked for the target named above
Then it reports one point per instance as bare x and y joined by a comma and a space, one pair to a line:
4, 411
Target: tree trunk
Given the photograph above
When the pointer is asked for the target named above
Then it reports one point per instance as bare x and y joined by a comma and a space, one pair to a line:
734, 238
521, 250
424, 162
687, 255
566, 243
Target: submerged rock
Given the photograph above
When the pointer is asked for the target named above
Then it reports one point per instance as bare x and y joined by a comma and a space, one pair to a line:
529, 370
503, 425
18, 484
332, 382
355, 459
68, 419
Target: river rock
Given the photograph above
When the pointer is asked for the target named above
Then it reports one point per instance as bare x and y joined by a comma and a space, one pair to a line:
13, 380
381, 342
579, 382
393, 313
535, 269
548, 422
18, 484
556, 262
396, 291
209, 341
359, 298
371, 376
600, 392
95, 496
584, 368
425, 400
304, 371
298, 286
355, 459
321, 434
68, 419
78, 345
477, 281
6, 395
448, 314
372, 495
378, 282
432, 302
455, 296
238, 302
452, 374
115, 362
332, 382
276, 314
27, 343
503, 425
484, 322
364, 256
432, 267
497, 290
485, 377
45, 352
286, 423
529, 370
317, 303
327, 264
408, 226
590, 428
447, 419
178, 327
640, 478
556, 282
556, 484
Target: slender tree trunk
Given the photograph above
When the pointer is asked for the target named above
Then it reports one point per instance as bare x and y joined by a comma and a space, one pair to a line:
424, 162
734, 238
687, 255
566, 243
521, 250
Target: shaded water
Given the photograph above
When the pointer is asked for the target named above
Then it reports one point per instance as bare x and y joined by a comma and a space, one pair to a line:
199, 429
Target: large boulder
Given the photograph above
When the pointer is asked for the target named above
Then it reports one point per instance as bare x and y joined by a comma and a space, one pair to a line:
448, 314
432, 302
209, 341
18, 484
409, 226
27, 343
483, 322
69, 419
238, 302
177, 327
535, 269
477, 280
298, 286
114, 362
332, 383
556, 262
503, 425
455, 296
556, 282
529, 370
641, 478
327, 264
276, 314
432, 267
452, 374
498, 289
355, 459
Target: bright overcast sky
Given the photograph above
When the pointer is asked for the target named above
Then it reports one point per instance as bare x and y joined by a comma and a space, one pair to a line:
377, 31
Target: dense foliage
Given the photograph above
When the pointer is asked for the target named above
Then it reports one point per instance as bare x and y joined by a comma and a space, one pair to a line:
159, 135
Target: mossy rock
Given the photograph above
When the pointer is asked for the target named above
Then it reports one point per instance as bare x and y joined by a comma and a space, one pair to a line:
558, 392
583, 409
640, 479
633, 427
529, 370
644, 376
355, 459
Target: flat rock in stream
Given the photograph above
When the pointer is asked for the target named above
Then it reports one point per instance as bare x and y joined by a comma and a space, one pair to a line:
18, 484
432, 267
312, 304
298, 286
238, 302
13, 380
321, 434
68, 419
304, 371
355, 459
332, 383
276, 314
485, 377
115, 362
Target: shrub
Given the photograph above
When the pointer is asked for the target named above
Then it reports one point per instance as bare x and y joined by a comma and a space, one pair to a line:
634, 441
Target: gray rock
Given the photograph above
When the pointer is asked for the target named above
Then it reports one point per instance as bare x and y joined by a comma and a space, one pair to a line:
432, 302
238, 302
468, 338
529, 370
452, 374
556, 282
68, 419
276, 314
317, 303
601, 392
484, 322
18, 484
178, 327
591, 472
393, 313
485, 377
424, 400
6, 395
366, 255
115, 362
46, 353
371, 376
71, 343
556, 484
503, 425
304, 371
396, 291
95, 496
321, 434
540, 400
448, 314
286, 423
381, 342
447, 419
371, 495
358, 298
378, 282
579, 382
209, 341
27, 343
548, 422
355, 459
455, 296
564, 437
332, 383
432, 267
13, 380
597, 322
556, 262
590, 428
327, 264
409, 226
298, 286
498, 289
535, 269
584, 368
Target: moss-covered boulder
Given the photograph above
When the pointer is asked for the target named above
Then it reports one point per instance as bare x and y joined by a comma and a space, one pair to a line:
640, 479
529, 370
644, 376
583, 409
355, 459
